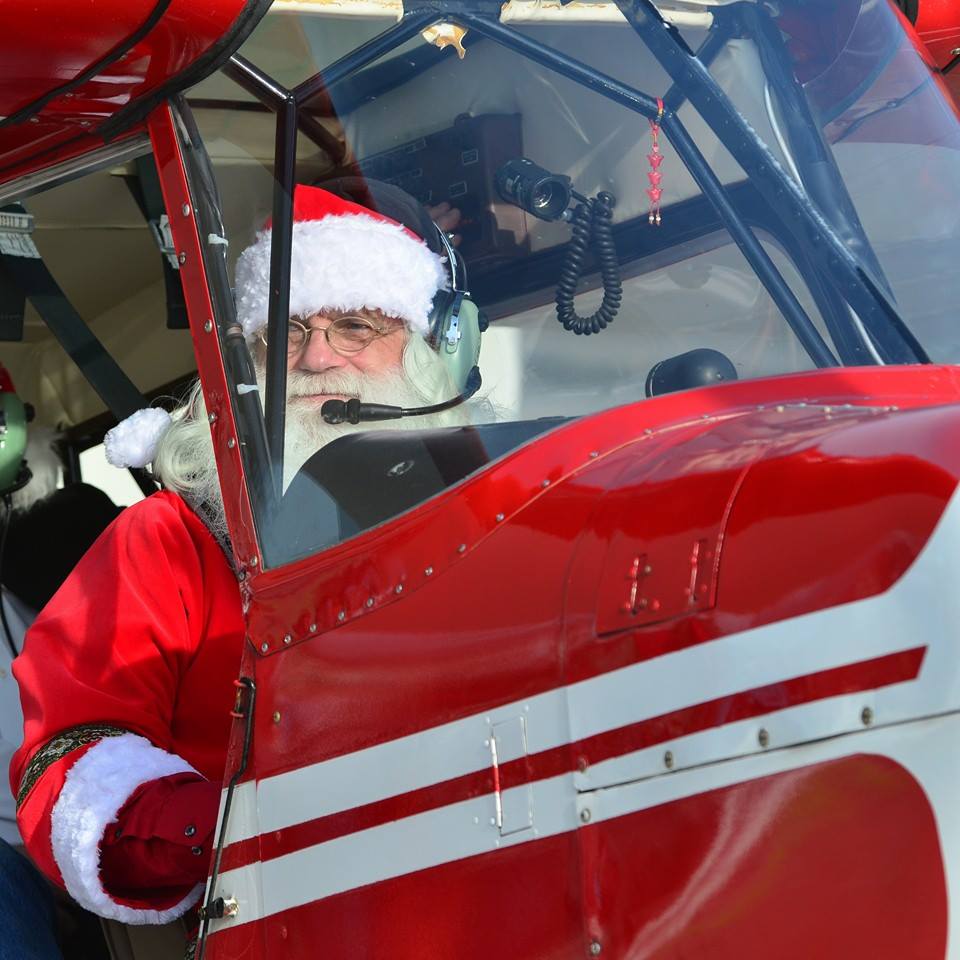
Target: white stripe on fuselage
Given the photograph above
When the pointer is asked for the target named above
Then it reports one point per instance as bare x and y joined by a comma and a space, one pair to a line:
922, 608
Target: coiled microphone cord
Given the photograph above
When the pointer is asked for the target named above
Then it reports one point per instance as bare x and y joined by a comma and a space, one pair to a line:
592, 220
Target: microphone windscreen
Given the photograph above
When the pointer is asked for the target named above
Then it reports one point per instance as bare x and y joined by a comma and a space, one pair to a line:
334, 411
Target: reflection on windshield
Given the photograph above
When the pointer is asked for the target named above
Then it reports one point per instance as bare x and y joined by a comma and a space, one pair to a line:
490, 196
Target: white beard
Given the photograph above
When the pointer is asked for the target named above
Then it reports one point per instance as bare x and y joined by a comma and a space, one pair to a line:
306, 430
421, 381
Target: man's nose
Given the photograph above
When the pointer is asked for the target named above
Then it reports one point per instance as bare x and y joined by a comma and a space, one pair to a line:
318, 355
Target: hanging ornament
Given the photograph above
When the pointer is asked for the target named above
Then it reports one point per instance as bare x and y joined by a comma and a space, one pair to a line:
655, 191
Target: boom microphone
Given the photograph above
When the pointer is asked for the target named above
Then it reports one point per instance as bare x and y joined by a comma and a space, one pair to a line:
353, 411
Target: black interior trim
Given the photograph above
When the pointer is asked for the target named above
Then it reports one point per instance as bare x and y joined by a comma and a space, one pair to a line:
111, 57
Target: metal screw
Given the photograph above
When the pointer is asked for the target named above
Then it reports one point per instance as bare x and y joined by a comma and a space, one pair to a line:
545, 483
313, 628
955, 52
196, 851
341, 616
499, 517
254, 561
668, 759
189, 830
399, 588
595, 948
264, 647
182, 257
208, 326
585, 815
276, 716
594, 454
211, 418
369, 602
288, 639
763, 738
185, 209
866, 716
231, 443
428, 572
462, 548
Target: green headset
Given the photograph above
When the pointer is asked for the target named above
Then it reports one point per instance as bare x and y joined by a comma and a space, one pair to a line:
13, 438
456, 325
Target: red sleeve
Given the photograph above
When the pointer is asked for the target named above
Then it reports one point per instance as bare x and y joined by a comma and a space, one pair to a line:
100, 670
159, 846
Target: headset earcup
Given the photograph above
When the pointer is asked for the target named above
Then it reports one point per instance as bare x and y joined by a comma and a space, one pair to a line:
440, 315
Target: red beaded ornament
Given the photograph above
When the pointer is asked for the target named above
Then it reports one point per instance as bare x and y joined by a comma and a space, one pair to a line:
655, 192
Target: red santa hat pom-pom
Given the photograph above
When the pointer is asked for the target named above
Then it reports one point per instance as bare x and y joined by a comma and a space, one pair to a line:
133, 442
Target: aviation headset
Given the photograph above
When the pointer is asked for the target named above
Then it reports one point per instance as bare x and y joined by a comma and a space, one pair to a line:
13, 437
455, 322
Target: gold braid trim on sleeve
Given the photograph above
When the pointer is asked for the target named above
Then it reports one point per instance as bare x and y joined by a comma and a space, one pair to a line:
63, 743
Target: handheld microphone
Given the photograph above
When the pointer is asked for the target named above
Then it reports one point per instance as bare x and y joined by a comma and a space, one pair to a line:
353, 411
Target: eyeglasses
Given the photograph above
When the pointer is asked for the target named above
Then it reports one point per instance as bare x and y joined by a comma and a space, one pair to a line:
346, 335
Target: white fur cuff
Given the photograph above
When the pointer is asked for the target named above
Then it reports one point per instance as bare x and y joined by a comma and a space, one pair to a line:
96, 787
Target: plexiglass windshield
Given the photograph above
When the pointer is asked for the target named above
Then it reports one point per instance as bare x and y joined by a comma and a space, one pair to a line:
635, 209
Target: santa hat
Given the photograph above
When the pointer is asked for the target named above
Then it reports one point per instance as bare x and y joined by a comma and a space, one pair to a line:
345, 257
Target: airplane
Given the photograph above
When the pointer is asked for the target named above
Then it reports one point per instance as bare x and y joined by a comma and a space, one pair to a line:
654, 654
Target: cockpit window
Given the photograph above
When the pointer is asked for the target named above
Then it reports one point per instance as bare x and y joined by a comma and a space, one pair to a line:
633, 213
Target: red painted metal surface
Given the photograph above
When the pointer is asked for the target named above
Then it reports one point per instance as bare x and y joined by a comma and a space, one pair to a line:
45, 46
532, 910
938, 26
825, 861
784, 462
183, 224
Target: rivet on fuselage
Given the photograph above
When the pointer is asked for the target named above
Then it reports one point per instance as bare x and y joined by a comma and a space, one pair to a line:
763, 738
264, 647
462, 548
342, 615
313, 628
370, 602
594, 454
276, 716
185, 209
595, 948
288, 639
208, 326
585, 815
668, 759
398, 588
428, 572
866, 716
499, 517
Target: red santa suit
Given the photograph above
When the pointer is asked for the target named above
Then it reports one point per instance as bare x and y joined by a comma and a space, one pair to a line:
127, 685
127, 675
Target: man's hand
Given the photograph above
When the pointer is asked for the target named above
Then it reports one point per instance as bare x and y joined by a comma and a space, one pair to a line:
447, 218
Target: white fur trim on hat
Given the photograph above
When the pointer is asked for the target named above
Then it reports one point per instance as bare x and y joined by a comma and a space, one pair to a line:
133, 441
96, 787
344, 262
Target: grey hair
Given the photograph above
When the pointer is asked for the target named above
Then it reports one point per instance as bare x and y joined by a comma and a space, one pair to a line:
184, 461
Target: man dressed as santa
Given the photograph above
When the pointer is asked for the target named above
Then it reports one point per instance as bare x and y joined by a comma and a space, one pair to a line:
127, 675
